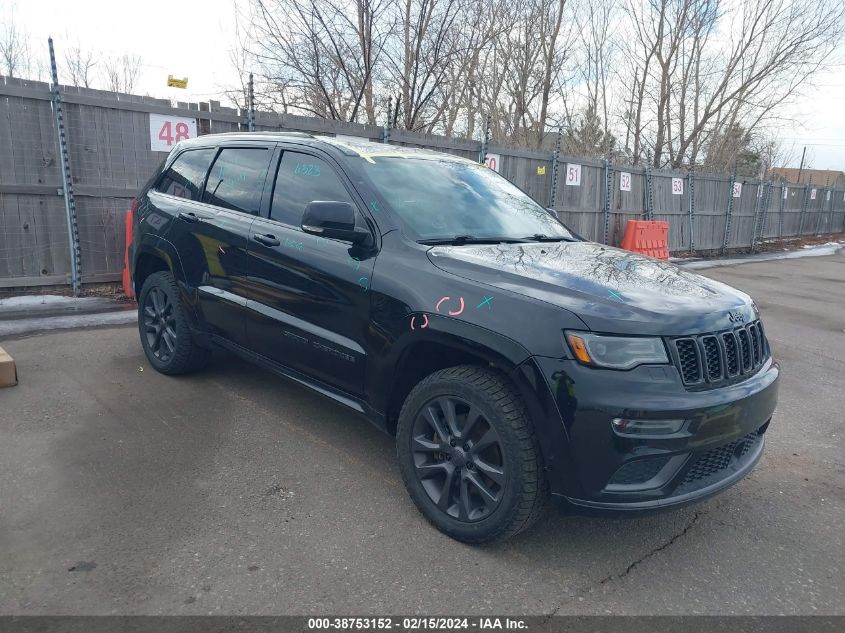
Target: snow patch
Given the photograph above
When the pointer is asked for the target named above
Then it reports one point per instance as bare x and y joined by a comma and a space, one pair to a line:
815, 250
26, 326
27, 301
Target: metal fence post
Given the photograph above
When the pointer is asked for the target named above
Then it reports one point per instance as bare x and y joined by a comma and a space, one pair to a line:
385, 131
608, 192
649, 194
250, 116
767, 200
820, 212
555, 169
67, 179
830, 212
691, 190
803, 209
485, 141
730, 209
757, 199
784, 189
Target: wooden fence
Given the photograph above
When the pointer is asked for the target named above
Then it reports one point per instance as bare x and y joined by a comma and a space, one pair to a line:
108, 136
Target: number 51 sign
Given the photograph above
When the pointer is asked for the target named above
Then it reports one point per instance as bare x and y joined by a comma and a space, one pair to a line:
166, 131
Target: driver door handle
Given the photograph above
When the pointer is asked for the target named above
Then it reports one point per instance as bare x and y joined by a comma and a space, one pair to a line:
267, 239
190, 216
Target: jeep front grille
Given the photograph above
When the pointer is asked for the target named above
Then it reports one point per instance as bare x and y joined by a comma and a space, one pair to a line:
714, 359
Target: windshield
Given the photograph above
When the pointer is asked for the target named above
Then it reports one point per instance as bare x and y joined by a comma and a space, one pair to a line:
444, 199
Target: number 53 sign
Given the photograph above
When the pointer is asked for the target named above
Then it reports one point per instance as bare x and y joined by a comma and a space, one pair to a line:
166, 131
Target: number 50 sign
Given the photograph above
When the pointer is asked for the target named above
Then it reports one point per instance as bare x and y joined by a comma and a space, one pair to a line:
166, 131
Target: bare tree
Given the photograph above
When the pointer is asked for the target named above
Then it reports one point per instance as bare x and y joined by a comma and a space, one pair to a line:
480, 24
691, 85
676, 78
322, 54
531, 53
79, 65
14, 49
122, 73
426, 45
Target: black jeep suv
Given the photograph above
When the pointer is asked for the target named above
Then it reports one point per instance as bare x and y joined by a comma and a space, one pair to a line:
510, 358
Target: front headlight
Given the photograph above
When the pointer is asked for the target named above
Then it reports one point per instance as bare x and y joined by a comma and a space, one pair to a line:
616, 352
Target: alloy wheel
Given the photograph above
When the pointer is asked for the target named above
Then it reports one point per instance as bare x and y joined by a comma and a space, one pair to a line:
159, 324
458, 458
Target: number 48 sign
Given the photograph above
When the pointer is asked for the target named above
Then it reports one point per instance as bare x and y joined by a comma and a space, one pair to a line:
167, 131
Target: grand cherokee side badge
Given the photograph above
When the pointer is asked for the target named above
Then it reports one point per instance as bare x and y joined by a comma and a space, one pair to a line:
736, 317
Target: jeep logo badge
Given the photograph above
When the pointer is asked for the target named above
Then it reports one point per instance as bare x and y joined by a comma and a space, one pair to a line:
736, 317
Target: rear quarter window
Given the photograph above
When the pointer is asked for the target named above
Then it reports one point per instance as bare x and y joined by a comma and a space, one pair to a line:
184, 178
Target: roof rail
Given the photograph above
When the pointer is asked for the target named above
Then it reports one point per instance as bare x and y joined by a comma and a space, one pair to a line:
295, 133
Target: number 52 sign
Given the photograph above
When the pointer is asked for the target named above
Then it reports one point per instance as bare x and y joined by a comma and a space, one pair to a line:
166, 131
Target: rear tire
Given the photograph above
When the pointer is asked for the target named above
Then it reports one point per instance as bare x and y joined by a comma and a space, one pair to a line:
468, 455
163, 326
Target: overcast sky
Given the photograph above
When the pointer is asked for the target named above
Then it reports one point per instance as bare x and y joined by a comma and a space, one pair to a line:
192, 38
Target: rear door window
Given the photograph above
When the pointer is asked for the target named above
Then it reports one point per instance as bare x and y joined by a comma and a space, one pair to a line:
236, 179
185, 176
301, 179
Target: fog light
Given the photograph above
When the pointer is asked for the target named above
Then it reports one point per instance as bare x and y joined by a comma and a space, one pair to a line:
646, 427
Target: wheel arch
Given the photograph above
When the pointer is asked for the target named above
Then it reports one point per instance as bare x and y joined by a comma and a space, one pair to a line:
445, 343
449, 342
154, 257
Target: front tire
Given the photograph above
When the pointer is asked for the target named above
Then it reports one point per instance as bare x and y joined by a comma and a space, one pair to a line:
165, 333
468, 455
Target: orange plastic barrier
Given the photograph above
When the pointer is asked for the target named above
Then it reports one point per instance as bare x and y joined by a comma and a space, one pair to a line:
127, 283
649, 237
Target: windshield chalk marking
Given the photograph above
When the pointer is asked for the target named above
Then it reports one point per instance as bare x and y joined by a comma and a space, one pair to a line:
614, 295
488, 301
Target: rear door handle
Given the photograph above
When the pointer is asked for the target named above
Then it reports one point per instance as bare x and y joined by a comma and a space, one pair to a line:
267, 239
190, 216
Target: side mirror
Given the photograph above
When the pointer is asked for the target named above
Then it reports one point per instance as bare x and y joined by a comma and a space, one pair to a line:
333, 219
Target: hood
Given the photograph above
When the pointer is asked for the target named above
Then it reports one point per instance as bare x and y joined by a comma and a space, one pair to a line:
611, 290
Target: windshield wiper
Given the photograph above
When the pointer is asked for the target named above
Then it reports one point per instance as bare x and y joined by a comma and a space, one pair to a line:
457, 240
542, 237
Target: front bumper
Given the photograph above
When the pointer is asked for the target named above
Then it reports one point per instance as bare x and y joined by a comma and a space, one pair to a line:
720, 441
